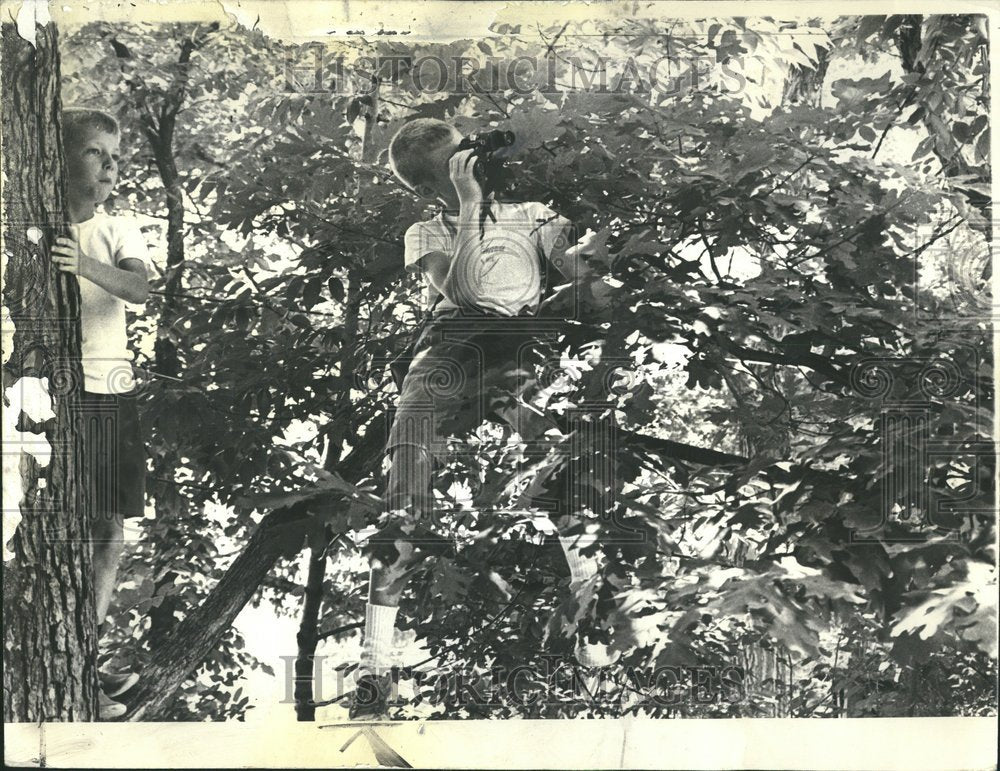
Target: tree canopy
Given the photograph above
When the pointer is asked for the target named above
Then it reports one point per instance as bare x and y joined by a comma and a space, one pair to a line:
794, 363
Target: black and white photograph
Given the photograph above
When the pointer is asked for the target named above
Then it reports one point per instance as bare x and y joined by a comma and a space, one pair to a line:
498, 385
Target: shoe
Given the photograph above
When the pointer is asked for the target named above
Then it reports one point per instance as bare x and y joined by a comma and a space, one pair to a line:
108, 708
370, 699
115, 684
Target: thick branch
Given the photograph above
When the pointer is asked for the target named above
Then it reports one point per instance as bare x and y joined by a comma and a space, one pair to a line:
281, 532
792, 358
668, 448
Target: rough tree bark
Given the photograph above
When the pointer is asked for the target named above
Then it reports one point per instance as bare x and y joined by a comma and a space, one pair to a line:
50, 629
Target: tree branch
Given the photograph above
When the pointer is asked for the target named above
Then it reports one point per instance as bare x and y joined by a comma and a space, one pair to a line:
789, 357
199, 633
340, 630
680, 451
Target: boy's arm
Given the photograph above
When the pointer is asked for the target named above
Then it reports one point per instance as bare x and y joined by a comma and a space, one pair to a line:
425, 250
468, 246
436, 266
128, 281
443, 269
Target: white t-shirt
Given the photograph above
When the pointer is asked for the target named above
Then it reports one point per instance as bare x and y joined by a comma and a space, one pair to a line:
107, 361
508, 278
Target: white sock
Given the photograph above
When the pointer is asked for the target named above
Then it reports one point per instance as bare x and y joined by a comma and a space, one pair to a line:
380, 626
580, 567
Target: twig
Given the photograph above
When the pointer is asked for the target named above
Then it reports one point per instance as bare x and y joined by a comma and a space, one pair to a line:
340, 630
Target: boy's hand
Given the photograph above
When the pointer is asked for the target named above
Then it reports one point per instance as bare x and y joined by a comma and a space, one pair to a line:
584, 244
68, 258
460, 169
571, 261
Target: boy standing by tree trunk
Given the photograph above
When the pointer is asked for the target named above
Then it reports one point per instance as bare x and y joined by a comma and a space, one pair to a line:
108, 255
482, 262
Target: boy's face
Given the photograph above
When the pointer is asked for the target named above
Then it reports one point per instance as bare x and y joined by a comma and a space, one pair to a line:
438, 158
92, 166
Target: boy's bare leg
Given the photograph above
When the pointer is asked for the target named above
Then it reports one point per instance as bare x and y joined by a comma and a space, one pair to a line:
387, 581
582, 568
108, 543
408, 488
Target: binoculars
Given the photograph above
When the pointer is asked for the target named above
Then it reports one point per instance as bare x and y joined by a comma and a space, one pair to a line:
490, 169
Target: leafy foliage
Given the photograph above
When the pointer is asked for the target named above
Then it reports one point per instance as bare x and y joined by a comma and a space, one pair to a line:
762, 254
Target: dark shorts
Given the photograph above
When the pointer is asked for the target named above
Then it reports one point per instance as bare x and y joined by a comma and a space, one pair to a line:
464, 372
114, 458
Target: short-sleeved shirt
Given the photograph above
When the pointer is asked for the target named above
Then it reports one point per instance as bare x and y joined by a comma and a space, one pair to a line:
107, 361
507, 280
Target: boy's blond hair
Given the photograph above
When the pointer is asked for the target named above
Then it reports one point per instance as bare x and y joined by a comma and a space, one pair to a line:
77, 120
409, 148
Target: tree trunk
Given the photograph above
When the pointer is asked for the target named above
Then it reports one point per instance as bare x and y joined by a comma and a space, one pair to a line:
50, 629
804, 85
307, 637
161, 140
